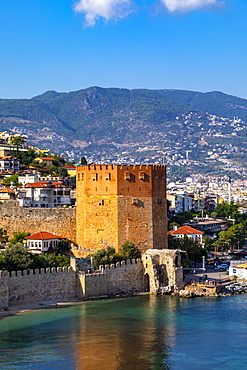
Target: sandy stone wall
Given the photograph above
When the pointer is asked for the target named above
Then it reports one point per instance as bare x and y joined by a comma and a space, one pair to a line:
58, 221
127, 275
21, 287
163, 267
156, 270
4, 289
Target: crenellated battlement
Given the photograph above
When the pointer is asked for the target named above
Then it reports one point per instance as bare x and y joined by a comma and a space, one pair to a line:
96, 167
37, 285
121, 264
31, 273
112, 167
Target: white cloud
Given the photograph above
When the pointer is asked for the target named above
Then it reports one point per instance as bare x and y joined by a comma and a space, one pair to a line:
107, 9
189, 5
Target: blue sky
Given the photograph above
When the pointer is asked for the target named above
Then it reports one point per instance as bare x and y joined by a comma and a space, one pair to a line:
67, 45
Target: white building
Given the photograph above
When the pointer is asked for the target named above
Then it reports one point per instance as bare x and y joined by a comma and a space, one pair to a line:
9, 163
42, 242
45, 194
180, 201
28, 179
240, 270
191, 233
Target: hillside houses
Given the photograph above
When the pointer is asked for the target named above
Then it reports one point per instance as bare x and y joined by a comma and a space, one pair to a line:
9, 163
45, 194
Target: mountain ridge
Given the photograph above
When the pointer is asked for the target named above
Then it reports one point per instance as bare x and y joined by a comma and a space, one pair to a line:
101, 119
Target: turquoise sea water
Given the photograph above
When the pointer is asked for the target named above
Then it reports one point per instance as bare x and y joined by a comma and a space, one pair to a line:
144, 332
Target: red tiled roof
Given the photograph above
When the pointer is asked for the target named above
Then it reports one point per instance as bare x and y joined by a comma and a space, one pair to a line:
46, 184
69, 167
43, 235
46, 158
185, 230
7, 190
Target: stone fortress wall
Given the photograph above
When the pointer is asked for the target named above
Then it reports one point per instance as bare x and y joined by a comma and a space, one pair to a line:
58, 221
69, 284
126, 276
157, 270
38, 285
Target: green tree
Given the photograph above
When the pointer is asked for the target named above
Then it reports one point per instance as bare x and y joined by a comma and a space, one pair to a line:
17, 141
83, 161
129, 250
48, 260
73, 181
18, 237
64, 246
172, 224
17, 258
233, 237
52, 170
228, 210
181, 218
3, 236
62, 172
193, 249
25, 158
208, 243
11, 179
2, 262
58, 161
62, 261
103, 256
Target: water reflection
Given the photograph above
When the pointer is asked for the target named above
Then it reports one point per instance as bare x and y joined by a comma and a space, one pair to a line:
140, 333
133, 333
136, 335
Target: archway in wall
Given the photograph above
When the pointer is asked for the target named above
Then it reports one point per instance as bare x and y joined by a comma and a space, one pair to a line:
146, 283
162, 275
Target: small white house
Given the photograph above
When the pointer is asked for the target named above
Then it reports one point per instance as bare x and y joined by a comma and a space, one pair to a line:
190, 232
42, 242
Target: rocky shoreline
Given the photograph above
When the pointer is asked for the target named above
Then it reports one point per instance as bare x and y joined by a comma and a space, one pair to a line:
233, 288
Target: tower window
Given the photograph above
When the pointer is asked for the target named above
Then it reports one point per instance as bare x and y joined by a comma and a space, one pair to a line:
142, 175
94, 177
101, 202
127, 176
